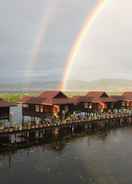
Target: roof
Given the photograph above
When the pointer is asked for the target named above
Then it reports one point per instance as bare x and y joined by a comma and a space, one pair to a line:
46, 101
62, 101
35, 100
117, 97
58, 98
97, 94
81, 99
52, 94
4, 103
31, 100
128, 93
107, 99
24, 99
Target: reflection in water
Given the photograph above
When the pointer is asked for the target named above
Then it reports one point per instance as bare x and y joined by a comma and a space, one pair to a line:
100, 158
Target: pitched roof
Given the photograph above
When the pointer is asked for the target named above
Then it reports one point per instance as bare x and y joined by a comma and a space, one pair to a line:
117, 97
45, 101
97, 94
52, 94
81, 99
127, 93
127, 96
62, 101
32, 100
24, 99
35, 100
4, 103
107, 99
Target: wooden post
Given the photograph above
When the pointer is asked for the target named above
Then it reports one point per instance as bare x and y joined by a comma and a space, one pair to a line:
22, 120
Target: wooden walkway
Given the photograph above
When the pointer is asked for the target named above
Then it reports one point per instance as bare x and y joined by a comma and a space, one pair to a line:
94, 121
23, 136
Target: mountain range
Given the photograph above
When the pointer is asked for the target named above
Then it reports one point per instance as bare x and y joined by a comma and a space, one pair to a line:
74, 85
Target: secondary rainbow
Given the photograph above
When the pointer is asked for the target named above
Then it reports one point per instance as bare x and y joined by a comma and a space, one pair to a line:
47, 18
78, 41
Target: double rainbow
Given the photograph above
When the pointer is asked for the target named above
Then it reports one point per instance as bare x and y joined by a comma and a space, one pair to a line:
47, 18
78, 41
76, 45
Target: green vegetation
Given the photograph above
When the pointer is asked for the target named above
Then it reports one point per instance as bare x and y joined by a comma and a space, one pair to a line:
15, 96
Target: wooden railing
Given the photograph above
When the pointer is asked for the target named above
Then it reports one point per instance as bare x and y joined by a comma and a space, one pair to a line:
91, 118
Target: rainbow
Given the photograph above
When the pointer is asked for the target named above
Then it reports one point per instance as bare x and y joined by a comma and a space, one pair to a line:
78, 41
47, 18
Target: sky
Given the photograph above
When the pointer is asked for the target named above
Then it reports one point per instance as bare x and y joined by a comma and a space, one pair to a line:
106, 50
36, 38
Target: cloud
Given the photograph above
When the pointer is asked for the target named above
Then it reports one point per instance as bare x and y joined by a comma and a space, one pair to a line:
106, 51
20, 22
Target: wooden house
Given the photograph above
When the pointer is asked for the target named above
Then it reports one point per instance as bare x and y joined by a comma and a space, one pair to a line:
94, 101
127, 100
47, 104
5, 109
57, 104
102, 101
83, 104
119, 101
97, 94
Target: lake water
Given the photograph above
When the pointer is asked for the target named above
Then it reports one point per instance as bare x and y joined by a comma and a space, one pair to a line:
91, 159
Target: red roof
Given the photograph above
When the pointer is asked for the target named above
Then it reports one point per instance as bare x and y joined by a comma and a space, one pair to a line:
117, 97
32, 100
4, 103
24, 99
46, 101
52, 94
81, 99
107, 99
62, 101
128, 93
97, 94
35, 100
57, 97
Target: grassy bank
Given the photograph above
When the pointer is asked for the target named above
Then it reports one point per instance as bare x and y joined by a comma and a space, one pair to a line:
15, 96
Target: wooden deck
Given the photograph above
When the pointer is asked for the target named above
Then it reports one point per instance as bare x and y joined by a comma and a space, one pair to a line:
95, 121
27, 135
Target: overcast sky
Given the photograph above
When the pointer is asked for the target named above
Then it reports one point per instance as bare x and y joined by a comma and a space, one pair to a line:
105, 52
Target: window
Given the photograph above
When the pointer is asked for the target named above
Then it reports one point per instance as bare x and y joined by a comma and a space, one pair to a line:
123, 104
127, 104
25, 105
37, 108
41, 109
66, 108
86, 105
90, 106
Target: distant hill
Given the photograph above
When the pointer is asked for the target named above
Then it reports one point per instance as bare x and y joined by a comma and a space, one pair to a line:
104, 84
33, 86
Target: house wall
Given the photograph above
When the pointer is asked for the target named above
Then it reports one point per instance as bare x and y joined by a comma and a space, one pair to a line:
85, 107
45, 110
4, 113
35, 110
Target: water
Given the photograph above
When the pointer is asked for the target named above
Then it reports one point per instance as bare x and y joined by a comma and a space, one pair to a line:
91, 159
